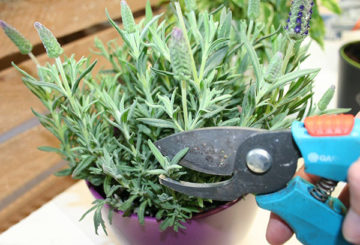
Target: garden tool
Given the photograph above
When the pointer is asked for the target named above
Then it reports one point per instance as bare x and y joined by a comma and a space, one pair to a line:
264, 162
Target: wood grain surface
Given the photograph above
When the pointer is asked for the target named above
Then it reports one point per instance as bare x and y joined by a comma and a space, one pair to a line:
16, 100
63, 17
21, 161
33, 199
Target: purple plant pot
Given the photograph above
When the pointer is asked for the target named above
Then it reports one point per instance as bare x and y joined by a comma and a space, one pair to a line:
224, 225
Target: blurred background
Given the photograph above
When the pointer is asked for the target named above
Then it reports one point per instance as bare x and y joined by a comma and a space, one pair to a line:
30, 194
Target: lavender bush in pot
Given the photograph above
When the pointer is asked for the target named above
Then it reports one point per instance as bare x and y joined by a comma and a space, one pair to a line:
200, 71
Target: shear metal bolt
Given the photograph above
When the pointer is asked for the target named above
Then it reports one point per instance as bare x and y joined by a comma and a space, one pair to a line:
258, 161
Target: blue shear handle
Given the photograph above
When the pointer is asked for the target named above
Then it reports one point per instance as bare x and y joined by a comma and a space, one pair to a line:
314, 222
330, 156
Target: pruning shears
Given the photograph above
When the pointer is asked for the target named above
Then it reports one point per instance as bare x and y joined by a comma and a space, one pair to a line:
264, 162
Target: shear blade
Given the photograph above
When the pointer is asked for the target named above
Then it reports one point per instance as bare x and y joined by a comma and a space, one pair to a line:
211, 150
217, 191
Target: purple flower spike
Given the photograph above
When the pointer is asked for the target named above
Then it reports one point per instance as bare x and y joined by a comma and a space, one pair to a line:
288, 20
312, 3
299, 15
297, 29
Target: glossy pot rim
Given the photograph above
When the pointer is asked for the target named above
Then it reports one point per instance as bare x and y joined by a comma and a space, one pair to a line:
204, 214
346, 57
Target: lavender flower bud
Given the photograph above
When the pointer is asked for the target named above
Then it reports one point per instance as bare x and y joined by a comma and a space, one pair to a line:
253, 9
274, 68
19, 40
179, 55
298, 23
127, 17
53, 48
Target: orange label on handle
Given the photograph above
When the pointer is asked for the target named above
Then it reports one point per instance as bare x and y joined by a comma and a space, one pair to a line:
330, 125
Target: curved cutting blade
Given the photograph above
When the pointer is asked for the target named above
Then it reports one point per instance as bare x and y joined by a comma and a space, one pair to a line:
211, 150
221, 191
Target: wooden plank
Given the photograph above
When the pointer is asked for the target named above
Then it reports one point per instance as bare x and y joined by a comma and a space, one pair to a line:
63, 17
27, 181
32, 200
21, 161
16, 97
15, 101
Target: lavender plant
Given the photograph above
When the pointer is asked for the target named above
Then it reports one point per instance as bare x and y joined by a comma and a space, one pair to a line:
272, 12
202, 70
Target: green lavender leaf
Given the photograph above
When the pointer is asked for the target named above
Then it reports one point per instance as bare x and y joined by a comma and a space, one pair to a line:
326, 98
98, 220
190, 5
331, 5
156, 172
53, 48
117, 28
127, 204
82, 75
160, 123
141, 212
127, 17
64, 172
148, 12
253, 9
274, 69
83, 164
176, 159
16, 37
161, 159
292, 76
50, 149
166, 223
252, 54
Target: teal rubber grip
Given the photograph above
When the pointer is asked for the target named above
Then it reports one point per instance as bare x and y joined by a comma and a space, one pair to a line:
314, 222
328, 156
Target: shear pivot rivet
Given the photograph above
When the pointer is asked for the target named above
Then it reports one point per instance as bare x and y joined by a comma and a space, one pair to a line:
258, 161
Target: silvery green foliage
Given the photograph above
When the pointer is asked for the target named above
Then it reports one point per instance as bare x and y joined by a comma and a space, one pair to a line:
53, 48
17, 38
253, 9
326, 98
107, 125
127, 17
298, 23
